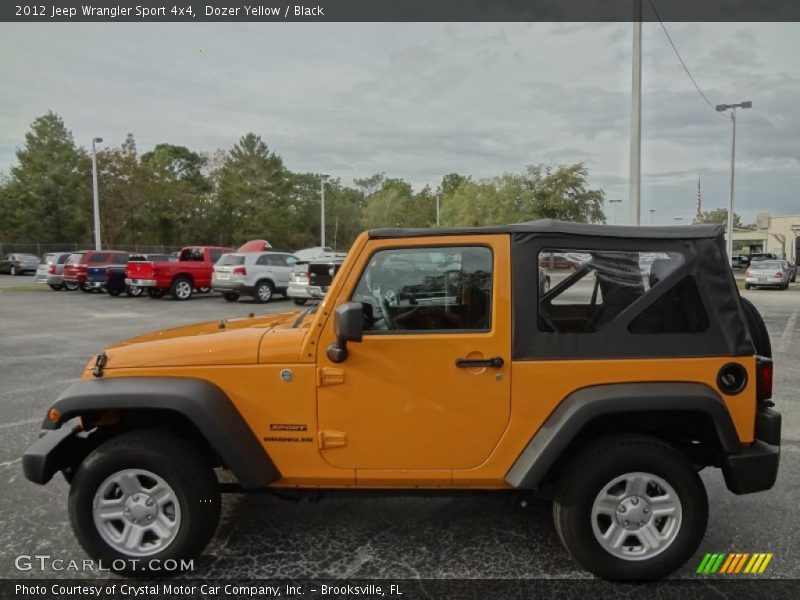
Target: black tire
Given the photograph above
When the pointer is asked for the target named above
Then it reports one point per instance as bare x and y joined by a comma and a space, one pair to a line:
85, 288
173, 459
299, 301
156, 292
70, 286
757, 328
203, 290
12, 271
230, 296
181, 288
597, 466
134, 291
114, 293
56, 288
263, 292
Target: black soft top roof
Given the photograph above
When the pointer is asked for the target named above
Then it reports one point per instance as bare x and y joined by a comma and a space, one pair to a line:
552, 226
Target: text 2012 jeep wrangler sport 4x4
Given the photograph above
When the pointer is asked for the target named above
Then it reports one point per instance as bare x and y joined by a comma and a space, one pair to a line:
436, 361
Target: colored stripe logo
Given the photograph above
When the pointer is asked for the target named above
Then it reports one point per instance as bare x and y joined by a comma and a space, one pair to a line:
732, 563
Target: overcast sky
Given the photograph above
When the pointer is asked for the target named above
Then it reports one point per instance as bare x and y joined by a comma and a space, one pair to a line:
421, 100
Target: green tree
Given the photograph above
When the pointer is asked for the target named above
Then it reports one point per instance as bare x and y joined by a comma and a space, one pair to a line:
48, 196
540, 192
253, 189
393, 203
719, 215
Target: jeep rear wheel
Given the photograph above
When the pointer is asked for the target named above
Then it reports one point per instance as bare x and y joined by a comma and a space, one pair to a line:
144, 495
757, 328
630, 507
181, 288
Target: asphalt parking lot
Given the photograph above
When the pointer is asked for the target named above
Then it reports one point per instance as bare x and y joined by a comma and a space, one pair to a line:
47, 337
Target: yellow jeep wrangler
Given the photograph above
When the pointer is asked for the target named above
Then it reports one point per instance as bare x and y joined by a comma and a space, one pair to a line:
439, 361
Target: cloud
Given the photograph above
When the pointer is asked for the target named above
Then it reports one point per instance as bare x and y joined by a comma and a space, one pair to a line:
422, 100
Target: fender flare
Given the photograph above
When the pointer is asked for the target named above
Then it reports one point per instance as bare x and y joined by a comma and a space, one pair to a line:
207, 407
583, 405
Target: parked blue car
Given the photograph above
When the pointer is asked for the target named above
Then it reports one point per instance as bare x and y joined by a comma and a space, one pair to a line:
111, 278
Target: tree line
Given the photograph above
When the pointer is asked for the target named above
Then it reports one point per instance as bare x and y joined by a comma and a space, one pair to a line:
172, 195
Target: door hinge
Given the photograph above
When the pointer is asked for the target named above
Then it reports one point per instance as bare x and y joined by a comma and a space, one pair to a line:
329, 376
332, 439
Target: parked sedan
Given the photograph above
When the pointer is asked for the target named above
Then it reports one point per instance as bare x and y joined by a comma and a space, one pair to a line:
766, 273
51, 270
18, 264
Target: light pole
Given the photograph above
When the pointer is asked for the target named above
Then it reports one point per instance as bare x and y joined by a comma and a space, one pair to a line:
732, 108
677, 220
652, 216
322, 209
635, 167
97, 243
615, 202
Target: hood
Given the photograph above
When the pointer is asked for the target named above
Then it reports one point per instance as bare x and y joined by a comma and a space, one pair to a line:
227, 342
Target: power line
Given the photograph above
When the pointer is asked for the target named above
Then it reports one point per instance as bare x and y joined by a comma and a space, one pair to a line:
680, 58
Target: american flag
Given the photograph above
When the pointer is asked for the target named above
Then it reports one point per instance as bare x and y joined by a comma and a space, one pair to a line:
699, 198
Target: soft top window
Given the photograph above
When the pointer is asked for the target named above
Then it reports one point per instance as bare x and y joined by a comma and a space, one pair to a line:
589, 289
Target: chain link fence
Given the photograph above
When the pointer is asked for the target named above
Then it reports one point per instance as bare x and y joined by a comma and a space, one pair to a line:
40, 248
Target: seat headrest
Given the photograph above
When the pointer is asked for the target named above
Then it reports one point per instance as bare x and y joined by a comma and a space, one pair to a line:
660, 269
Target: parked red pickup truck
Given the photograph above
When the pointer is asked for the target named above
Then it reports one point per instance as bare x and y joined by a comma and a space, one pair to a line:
77, 264
192, 271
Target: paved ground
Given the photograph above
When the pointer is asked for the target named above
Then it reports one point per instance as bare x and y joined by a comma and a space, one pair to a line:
47, 337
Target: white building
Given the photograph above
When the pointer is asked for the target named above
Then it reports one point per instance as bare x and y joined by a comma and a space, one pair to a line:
779, 235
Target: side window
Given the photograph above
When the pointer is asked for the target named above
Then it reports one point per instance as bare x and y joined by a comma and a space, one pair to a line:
290, 260
277, 260
215, 254
192, 254
120, 259
427, 289
263, 259
589, 289
63, 258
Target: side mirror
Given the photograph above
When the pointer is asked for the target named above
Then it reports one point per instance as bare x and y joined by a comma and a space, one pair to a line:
348, 324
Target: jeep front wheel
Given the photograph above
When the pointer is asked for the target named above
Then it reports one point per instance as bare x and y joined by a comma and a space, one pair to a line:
181, 289
630, 508
144, 495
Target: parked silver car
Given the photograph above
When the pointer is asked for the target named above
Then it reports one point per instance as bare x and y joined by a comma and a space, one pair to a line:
51, 269
791, 268
17, 264
765, 273
257, 274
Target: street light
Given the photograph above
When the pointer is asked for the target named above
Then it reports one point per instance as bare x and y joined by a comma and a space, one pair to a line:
322, 209
732, 108
615, 202
652, 215
97, 244
677, 220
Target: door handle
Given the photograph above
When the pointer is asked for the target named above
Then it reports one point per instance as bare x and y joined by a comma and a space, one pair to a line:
495, 362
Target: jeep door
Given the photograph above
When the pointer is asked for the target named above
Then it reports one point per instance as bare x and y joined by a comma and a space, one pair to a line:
428, 387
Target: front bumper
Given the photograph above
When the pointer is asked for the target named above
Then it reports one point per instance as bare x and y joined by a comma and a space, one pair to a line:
141, 282
48, 279
54, 451
755, 468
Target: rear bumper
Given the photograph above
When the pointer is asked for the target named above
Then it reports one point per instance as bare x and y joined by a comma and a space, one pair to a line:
94, 285
231, 286
305, 291
55, 450
765, 281
755, 468
141, 282
48, 279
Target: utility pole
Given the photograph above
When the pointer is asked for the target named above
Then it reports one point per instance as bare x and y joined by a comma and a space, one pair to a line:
635, 176
322, 209
732, 108
615, 202
96, 196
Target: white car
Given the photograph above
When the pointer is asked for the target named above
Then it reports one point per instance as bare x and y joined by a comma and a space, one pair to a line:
257, 274
766, 273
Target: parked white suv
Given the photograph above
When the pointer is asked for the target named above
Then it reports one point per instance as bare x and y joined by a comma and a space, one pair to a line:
256, 274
